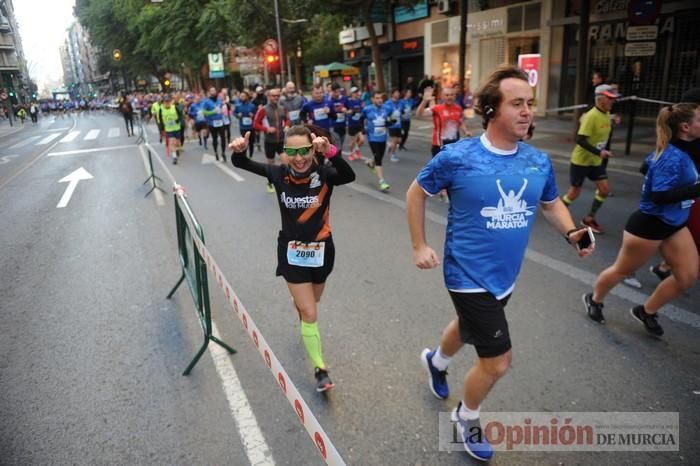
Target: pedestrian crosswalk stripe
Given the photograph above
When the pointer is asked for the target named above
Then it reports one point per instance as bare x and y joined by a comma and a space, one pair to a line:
24, 142
48, 139
113, 133
70, 136
92, 134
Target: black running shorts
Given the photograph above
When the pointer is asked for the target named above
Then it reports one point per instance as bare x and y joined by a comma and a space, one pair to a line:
394, 132
273, 148
482, 322
378, 149
200, 125
297, 274
650, 227
578, 173
353, 130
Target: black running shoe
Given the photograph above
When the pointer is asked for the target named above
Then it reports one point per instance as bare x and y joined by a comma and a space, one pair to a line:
660, 274
648, 320
593, 309
323, 382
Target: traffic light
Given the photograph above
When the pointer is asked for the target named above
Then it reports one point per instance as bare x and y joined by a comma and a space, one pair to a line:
116, 54
12, 93
272, 62
166, 84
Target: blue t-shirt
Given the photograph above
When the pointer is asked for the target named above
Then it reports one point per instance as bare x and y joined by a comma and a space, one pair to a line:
355, 119
673, 169
376, 123
245, 114
408, 106
195, 112
339, 106
393, 111
493, 200
316, 114
209, 107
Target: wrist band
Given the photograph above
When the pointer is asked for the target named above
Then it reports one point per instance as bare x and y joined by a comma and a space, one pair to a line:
332, 152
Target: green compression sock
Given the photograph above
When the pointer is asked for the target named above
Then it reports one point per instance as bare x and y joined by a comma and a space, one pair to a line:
312, 341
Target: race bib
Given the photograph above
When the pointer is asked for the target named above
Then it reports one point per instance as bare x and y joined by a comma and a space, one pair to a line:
320, 114
379, 129
217, 123
356, 116
451, 130
395, 115
340, 118
305, 254
246, 121
227, 121
294, 115
687, 204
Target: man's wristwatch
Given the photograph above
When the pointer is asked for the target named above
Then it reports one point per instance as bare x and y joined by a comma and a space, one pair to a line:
568, 233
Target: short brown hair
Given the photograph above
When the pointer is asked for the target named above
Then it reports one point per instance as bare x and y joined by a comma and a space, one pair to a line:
488, 96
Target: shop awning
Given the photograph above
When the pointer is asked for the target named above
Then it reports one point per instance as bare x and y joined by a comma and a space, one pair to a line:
336, 69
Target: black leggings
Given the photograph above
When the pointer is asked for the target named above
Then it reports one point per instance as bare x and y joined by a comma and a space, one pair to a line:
227, 135
129, 121
405, 128
378, 149
217, 133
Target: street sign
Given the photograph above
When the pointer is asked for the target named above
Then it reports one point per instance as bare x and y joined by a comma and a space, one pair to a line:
640, 49
216, 65
530, 63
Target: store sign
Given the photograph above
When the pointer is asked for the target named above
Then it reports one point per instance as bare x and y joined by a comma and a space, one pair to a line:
530, 63
362, 33
618, 30
486, 23
409, 45
216, 65
640, 49
642, 32
404, 14
346, 36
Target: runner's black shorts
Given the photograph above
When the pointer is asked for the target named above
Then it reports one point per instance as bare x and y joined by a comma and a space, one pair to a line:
482, 322
297, 274
273, 148
578, 173
340, 131
650, 227
200, 125
394, 132
353, 130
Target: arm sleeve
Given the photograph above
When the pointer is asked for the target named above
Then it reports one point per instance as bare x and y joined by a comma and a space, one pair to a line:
240, 160
675, 195
437, 174
583, 142
258, 121
550, 192
340, 172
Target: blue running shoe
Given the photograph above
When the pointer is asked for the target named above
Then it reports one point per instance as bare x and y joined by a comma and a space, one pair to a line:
438, 379
475, 442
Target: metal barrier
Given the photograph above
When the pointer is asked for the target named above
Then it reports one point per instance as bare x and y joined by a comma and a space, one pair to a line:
152, 177
194, 270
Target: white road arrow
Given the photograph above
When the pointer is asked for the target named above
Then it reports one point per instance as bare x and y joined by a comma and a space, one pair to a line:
206, 159
73, 179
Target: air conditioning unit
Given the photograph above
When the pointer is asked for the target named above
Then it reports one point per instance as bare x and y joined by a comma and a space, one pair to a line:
444, 6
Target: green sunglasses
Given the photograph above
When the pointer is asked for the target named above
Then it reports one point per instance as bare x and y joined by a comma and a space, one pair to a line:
293, 151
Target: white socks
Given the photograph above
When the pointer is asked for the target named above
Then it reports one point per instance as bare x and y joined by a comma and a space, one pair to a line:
440, 361
468, 414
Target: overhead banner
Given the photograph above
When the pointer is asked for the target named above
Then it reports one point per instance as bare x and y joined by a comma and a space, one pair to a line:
216, 65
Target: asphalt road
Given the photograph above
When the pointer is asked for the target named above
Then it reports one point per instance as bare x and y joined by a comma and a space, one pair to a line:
92, 352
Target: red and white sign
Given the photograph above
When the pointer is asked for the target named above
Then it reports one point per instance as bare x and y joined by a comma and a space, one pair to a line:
530, 63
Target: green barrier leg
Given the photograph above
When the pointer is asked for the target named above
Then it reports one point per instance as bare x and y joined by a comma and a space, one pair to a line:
197, 356
182, 277
223, 345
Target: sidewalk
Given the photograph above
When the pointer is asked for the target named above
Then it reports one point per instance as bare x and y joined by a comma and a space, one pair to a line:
6, 129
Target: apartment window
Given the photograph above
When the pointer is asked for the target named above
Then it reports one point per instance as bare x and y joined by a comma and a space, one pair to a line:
524, 17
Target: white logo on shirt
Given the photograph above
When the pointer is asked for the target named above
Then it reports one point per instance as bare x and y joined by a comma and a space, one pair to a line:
315, 180
510, 212
303, 202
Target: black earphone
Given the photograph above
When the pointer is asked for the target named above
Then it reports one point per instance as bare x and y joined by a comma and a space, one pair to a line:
488, 111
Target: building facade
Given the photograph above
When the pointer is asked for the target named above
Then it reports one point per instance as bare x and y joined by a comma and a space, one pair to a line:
651, 49
14, 76
81, 74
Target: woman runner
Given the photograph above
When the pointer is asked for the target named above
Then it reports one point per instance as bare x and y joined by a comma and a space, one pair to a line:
305, 251
670, 184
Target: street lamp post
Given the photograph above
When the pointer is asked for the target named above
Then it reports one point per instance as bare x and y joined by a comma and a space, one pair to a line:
279, 40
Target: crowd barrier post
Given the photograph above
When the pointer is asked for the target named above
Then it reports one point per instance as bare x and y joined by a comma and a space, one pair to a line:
630, 123
152, 176
194, 272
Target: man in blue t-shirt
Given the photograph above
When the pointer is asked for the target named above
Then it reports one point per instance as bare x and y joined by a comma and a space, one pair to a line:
495, 184
394, 109
319, 111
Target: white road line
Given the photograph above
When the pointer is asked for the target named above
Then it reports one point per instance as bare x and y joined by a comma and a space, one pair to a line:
24, 142
48, 139
70, 136
209, 159
88, 151
674, 313
256, 448
92, 134
113, 133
